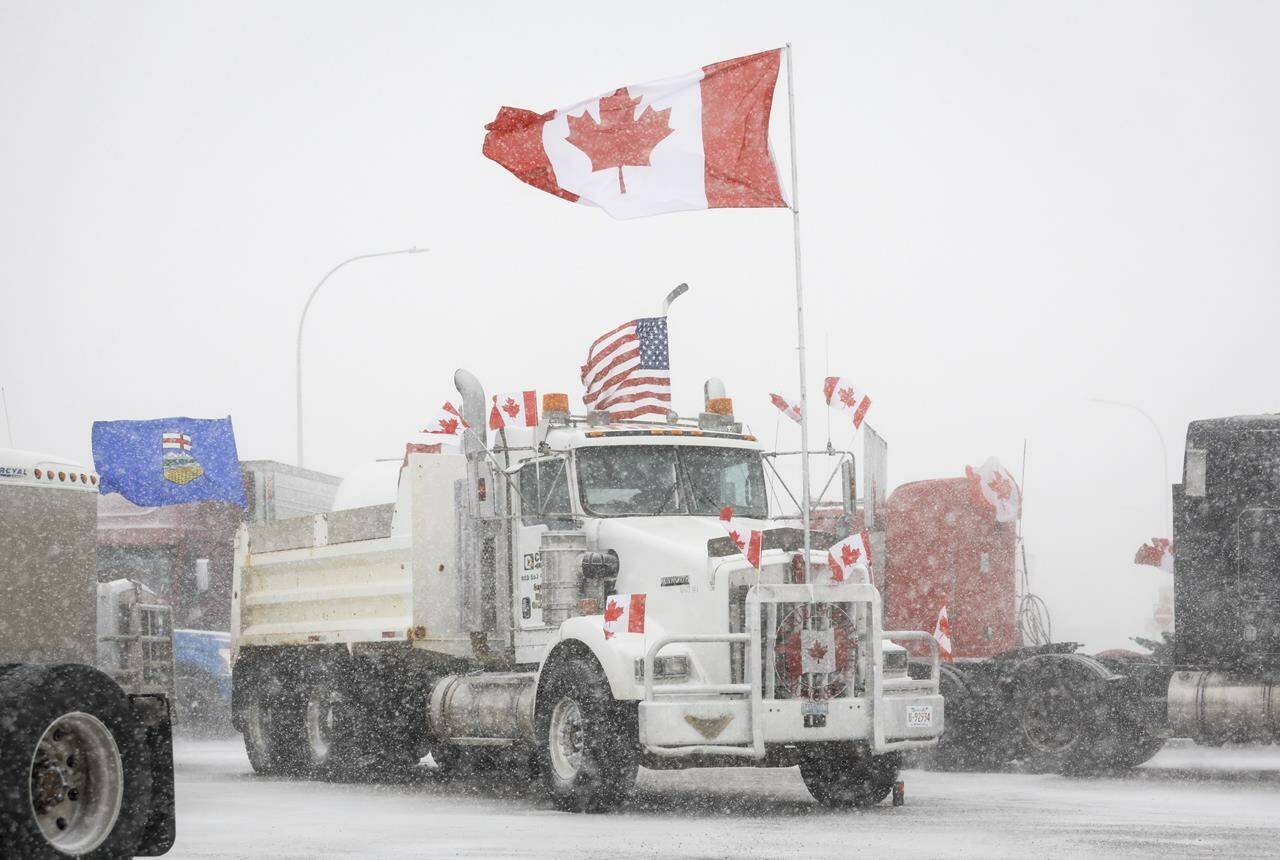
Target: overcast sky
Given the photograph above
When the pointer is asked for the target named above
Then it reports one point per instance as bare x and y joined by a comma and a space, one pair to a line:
1008, 208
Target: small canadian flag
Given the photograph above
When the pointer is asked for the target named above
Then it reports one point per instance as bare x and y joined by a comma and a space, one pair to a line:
997, 488
853, 551
514, 409
791, 410
942, 633
623, 613
447, 422
843, 395
750, 541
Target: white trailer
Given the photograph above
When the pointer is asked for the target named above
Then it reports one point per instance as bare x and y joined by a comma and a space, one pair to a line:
468, 619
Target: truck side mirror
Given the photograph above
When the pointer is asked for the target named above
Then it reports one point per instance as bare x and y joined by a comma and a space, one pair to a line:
202, 575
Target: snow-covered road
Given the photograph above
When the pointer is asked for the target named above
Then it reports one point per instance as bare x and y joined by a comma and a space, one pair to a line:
1187, 802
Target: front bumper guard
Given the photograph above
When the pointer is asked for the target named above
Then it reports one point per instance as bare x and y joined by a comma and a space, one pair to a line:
864, 714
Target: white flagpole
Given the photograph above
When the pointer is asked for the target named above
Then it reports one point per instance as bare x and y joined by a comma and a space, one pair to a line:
804, 391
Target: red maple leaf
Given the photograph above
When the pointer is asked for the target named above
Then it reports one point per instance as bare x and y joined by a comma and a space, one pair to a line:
619, 139
737, 538
448, 425
847, 398
849, 555
1001, 486
612, 612
837, 572
817, 651
511, 408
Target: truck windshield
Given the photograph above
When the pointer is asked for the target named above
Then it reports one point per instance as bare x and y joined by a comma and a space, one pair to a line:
648, 480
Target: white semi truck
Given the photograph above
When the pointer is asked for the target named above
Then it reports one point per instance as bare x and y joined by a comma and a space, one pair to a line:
569, 601
86, 756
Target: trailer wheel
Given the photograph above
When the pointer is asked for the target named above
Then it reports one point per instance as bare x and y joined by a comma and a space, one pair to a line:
842, 775
75, 773
1061, 716
586, 739
328, 745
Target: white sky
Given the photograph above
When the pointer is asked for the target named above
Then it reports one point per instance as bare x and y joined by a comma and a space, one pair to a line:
1008, 208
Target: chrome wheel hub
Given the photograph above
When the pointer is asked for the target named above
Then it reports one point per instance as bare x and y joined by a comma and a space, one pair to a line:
77, 783
567, 739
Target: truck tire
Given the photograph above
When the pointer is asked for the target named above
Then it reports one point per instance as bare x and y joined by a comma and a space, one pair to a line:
1061, 715
328, 746
586, 740
75, 773
841, 775
271, 734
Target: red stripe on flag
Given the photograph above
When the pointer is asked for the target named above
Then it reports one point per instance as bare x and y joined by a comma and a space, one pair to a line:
635, 614
514, 140
862, 411
628, 414
755, 546
737, 96
531, 409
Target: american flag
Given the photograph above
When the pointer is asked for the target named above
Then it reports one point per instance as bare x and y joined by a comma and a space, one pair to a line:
628, 370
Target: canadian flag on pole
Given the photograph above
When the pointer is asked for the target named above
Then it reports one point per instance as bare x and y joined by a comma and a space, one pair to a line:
623, 613
750, 541
697, 141
514, 409
791, 410
942, 633
1158, 553
843, 395
855, 550
448, 422
996, 486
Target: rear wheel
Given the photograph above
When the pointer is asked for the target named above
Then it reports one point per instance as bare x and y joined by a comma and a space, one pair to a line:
586, 740
272, 729
1062, 717
841, 775
75, 773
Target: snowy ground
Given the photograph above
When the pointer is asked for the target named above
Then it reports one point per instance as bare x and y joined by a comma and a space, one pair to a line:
1187, 802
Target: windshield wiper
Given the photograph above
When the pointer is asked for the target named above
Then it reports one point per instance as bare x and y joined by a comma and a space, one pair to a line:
671, 491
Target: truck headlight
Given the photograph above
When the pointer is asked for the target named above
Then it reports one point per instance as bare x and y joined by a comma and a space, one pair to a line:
895, 662
664, 668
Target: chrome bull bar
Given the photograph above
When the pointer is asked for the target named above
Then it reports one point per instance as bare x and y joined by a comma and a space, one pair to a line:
753, 690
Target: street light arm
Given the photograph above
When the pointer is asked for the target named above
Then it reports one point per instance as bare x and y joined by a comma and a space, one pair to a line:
302, 320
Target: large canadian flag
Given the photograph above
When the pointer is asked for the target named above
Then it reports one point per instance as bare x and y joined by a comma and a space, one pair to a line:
697, 141
447, 421
1158, 553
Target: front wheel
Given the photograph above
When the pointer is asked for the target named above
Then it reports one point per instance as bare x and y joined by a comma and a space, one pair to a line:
843, 776
586, 739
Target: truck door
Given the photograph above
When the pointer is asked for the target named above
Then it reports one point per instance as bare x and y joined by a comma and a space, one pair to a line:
544, 504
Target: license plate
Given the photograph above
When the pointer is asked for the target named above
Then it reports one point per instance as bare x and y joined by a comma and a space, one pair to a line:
813, 709
919, 716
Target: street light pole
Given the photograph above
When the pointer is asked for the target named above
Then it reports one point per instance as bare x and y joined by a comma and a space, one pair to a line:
1164, 452
303, 319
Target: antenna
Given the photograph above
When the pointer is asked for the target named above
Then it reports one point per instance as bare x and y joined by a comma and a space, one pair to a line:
7, 426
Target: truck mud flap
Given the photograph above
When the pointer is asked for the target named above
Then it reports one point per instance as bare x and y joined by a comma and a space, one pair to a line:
161, 829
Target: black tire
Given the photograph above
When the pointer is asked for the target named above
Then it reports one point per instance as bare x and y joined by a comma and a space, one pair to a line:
843, 775
327, 748
590, 763
46, 769
272, 731
1062, 719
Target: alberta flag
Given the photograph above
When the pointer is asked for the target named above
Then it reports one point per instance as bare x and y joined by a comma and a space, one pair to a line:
168, 461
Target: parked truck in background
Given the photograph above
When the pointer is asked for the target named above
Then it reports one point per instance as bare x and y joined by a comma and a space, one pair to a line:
470, 619
86, 764
1049, 705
